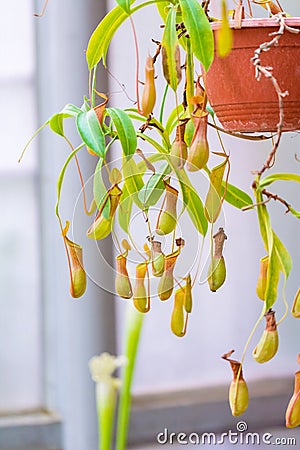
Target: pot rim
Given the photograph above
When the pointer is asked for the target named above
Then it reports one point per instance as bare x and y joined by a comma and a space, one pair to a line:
269, 22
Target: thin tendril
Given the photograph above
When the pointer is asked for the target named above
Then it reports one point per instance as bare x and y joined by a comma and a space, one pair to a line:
285, 304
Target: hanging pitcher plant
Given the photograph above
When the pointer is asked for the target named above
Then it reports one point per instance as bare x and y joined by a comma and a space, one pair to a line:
160, 183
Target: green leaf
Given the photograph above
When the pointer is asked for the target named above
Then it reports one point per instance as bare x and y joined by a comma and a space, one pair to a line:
189, 132
102, 36
162, 9
125, 5
125, 130
272, 279
261, 212
274, 265
85, 107
224, 35
199, 30
236, 197
192, 202
124, 210
56, 122
171, 52
190, 70
210, 110
153, 189
154, 143
91, 132
213, 202
133, 180
172, 121
283, 256
100, 190
294, 212
70, 109
278, 177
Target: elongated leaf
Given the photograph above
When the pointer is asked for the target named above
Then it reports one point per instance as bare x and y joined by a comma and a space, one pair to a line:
190, 70
103, 34
279, 177
125, 5
153, 189
294, 212
236, 197
171, 52
163, 9
189, 132
91, 132
85, 107
224, 34
199, 31
56, 122
263, 220
100, 190
213, 200
283, 256
192, 202
124, 210
173, 118
133, 180
154, 143
272, 279
274, 266
125, 130
195, 209
70, 109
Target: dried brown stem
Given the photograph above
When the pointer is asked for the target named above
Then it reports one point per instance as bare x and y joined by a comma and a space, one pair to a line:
261, 137
267, 73
43, 10
205, 6
158, 49
247, 208
275, 197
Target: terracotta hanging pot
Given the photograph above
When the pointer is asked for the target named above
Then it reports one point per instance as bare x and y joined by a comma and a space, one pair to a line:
242, 103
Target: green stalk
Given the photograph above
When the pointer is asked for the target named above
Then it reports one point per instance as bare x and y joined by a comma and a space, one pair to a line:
134, 321
94, 81
161, 113
189, 74
106, 403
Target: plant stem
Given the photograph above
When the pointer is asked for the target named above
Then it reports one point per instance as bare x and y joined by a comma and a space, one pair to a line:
134, 321
94, 81
106, 403
161, 113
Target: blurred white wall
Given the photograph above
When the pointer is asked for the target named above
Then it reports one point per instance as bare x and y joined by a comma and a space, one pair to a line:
20, 333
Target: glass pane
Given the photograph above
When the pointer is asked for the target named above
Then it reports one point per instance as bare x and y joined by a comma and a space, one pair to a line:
20, 334
20, 319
